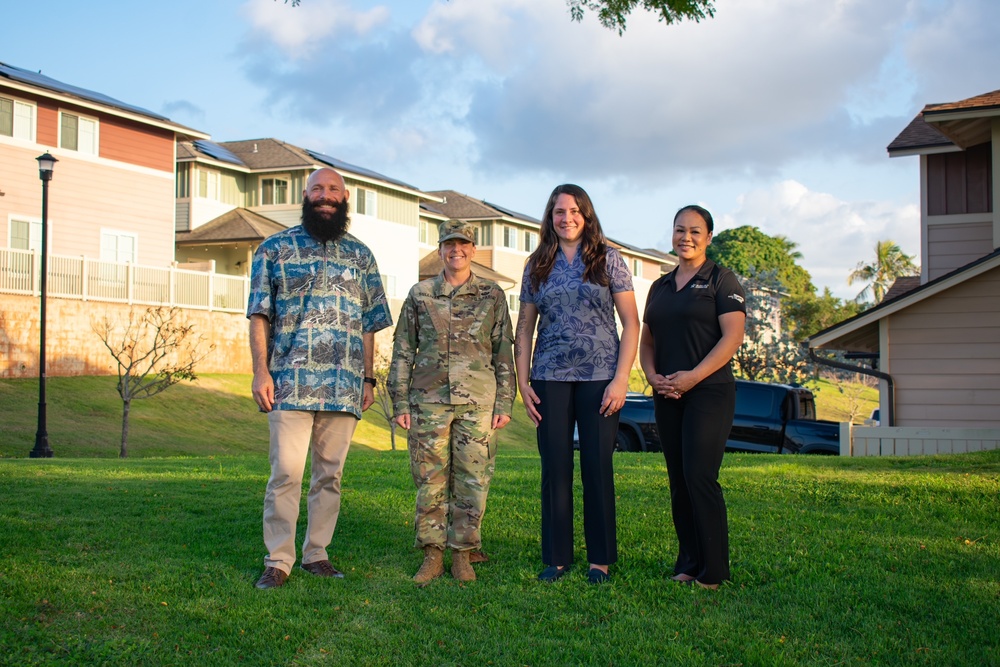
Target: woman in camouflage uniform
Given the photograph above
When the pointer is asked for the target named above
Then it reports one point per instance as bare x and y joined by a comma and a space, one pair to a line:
452, 386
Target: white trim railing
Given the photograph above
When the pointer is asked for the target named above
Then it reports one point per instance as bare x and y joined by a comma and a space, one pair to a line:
94, 280
914, 440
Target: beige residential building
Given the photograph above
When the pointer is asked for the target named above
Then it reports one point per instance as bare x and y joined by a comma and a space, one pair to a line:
232, 195
937, 336
506, 238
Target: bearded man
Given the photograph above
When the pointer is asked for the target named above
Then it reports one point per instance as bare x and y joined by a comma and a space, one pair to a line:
316, 301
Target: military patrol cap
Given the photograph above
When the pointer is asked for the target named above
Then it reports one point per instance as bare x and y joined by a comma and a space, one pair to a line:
456, 229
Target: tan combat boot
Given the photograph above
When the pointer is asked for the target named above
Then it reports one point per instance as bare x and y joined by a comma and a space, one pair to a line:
461, 569
432, 567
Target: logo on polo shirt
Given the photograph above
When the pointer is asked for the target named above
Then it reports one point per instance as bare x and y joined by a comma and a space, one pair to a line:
700, 286
737, 297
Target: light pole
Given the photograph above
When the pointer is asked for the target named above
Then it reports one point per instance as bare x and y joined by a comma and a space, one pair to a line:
42, 450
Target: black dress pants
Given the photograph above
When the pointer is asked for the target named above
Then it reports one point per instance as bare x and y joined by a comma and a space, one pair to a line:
562, 404
693, 431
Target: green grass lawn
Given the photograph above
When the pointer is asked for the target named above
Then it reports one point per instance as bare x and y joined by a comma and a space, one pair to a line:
151, 560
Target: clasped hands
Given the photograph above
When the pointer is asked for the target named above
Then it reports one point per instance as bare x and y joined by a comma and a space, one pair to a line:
672, 386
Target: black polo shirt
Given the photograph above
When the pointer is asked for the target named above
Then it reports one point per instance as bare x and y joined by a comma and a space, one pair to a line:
685, 324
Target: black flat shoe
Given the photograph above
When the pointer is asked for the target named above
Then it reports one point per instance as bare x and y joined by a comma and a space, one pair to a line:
596, 576
552, 572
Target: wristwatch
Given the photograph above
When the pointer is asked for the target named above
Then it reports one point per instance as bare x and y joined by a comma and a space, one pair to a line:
372, 381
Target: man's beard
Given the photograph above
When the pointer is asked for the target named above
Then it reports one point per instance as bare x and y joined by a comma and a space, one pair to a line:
325, 227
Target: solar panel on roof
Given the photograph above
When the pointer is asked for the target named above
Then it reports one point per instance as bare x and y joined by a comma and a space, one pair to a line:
361, 171
212, 149
513, 214
42, 81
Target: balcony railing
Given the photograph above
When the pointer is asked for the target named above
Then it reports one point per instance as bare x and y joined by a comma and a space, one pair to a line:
93, 280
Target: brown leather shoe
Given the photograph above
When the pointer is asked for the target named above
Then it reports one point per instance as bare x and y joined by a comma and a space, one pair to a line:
460, 567
432, 567
272, 578
322, 568
478, 556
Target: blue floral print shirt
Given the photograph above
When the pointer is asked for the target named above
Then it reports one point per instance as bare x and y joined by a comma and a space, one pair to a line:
577, 338
319, 298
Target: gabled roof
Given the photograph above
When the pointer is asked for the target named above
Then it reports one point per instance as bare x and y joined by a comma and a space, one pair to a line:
273, 154
237, 225
950, 125
860, 333
918, 137
217, 151
37, 80
41, 81
463, 207
978, 103
666, 259
901, 286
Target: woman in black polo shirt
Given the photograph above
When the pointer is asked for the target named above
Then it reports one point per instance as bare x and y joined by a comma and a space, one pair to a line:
692, 327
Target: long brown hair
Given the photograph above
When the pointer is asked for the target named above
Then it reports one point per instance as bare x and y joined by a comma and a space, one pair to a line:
593, 245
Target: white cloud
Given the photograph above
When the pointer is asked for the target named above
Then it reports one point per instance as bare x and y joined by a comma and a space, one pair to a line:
832, 234
490, 30
764, 84
300, 31
953, 49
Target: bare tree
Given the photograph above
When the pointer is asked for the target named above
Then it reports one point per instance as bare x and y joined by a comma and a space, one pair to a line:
383, 401
852, 386
154, 351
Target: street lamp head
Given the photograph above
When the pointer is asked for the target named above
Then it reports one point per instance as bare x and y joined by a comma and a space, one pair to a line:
45, 165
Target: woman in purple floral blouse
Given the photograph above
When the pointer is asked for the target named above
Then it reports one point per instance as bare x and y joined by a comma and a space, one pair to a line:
577, 374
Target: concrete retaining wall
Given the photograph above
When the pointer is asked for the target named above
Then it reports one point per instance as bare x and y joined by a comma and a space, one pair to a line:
74, 349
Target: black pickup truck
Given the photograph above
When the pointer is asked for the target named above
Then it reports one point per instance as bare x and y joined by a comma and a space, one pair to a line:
774, 418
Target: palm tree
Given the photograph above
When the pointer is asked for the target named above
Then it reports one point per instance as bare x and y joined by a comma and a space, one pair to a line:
890, 263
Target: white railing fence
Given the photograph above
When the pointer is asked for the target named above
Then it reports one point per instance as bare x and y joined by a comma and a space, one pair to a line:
914, 440
93, 280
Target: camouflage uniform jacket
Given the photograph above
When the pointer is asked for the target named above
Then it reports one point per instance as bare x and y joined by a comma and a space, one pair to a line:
453, 345
320, 298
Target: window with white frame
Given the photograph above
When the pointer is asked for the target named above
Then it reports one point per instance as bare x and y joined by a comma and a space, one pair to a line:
25, 234
274, 190
484, 234
367, 203
183, 180
427, 232
513, 302
509, 237
208, 183
119, 246
78, 133
17, 119
530, 240
637, 267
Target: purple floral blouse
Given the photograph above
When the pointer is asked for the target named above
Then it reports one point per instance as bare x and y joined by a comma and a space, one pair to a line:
577, 338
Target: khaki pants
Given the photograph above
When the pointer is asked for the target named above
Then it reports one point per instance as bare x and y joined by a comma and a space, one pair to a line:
292, 433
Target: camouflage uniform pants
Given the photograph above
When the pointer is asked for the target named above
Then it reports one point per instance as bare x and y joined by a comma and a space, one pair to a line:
452, 450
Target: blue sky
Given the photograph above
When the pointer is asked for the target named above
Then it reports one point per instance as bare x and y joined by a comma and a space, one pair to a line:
776, 113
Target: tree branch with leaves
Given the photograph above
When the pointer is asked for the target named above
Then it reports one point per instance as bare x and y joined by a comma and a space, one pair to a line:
613, 14
154, 350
